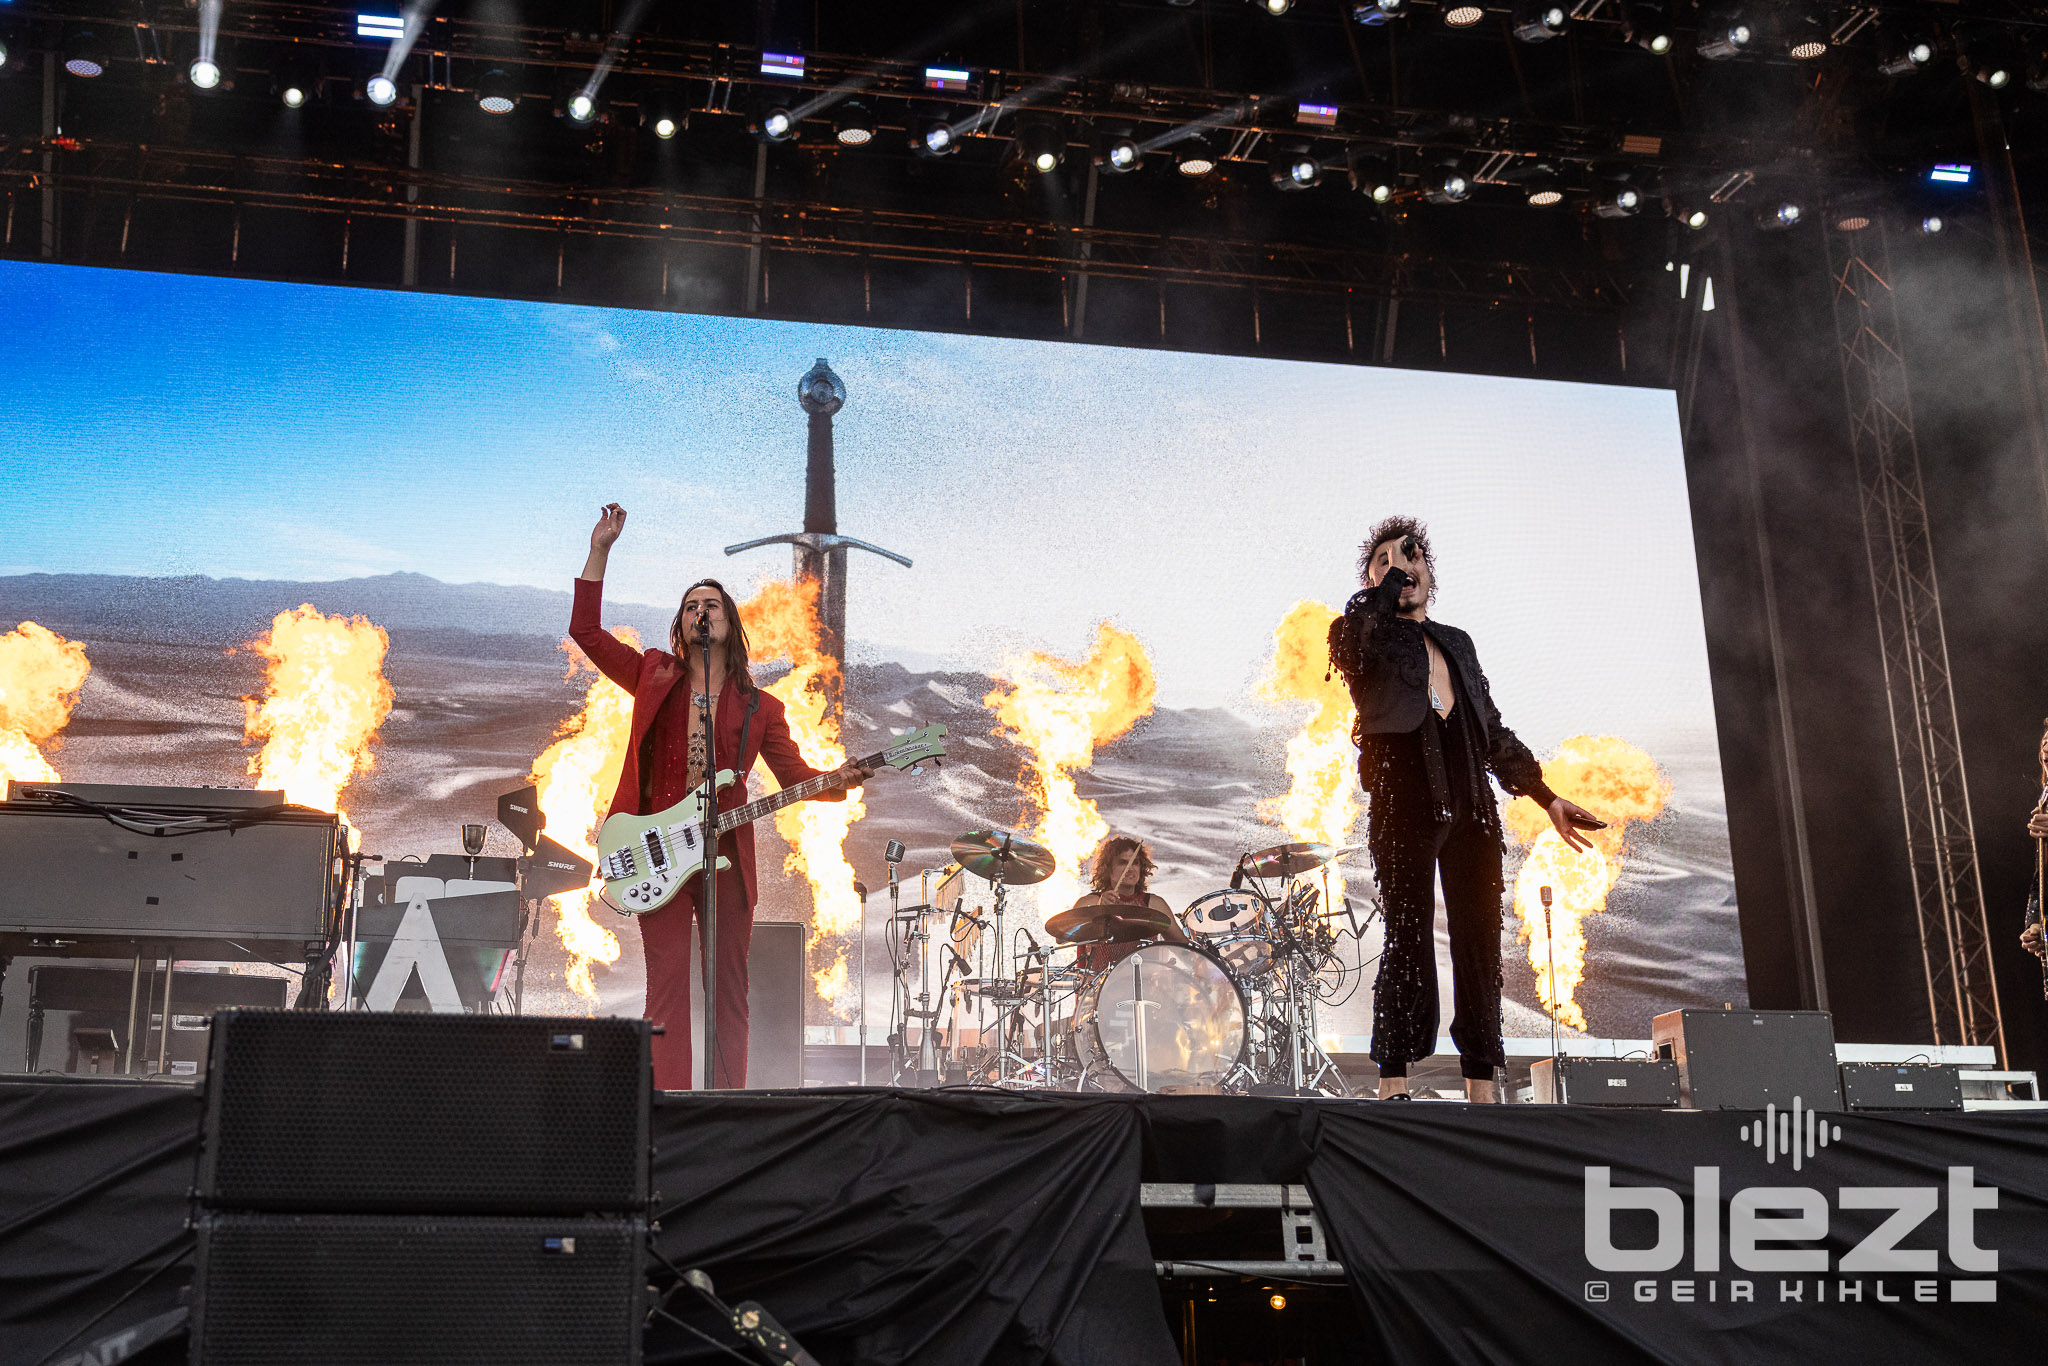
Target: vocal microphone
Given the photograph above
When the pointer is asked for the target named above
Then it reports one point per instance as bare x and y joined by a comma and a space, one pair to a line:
1237, 874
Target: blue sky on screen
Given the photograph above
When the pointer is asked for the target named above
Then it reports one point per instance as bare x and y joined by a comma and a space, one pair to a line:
157, 424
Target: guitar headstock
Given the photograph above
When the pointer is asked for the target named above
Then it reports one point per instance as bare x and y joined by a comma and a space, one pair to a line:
914, 747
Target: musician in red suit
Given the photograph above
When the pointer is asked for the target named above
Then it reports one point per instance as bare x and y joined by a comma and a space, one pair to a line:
665, 761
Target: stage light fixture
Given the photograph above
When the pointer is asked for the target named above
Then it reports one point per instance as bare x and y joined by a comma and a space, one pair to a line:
1448, 185
1777, 217
1649, 28
934, 138
1539, 22
1994, 74
1806, 37
390, 27
1040, 143
853, 124
1275, 7
1120, 153
1730, 36
1373, 13
3, 54
295, 81
1693, 216
1194, 157
1931, 225
1295, 168
380, 90
1463, 16
776, 124
1908, 58
1851, 220
1277, 1301
1987, 61
661, 114
1624, 201
496, 93
84, 56
582, 107
204, 73
1374, 179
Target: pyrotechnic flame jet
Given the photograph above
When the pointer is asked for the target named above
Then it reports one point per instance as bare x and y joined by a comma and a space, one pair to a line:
820, 550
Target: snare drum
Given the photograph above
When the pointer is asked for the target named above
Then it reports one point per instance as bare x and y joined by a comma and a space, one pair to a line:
1166, 1015
1237, 925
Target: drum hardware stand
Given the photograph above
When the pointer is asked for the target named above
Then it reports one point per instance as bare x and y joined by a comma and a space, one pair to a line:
1550, 956
892, 853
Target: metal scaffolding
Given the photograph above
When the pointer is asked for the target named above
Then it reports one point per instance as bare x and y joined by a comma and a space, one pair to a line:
1941, 841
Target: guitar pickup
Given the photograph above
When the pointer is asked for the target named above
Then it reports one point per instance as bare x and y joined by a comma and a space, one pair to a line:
618, 864
687, 835
657, 857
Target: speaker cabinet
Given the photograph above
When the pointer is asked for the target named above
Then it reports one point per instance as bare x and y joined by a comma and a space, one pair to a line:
1629, 1082
1747, 1059
1901, 1086
361, 1113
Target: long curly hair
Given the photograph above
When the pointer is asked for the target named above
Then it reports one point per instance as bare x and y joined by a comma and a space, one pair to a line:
1394, 529
1110, 853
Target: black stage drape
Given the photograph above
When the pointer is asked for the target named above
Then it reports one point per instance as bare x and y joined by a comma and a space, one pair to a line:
900, 1226
94, 1180
1493, 1234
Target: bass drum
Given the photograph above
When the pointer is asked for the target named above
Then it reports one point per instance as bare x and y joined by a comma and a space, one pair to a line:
1167, 1015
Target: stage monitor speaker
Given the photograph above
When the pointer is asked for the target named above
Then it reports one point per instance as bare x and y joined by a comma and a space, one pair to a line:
1747, 1059
1637, 1082
360, 1290
1901, 1086
777, 989
363, 1112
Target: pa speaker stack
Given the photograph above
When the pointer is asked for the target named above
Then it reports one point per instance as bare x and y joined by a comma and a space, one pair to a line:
380, 1190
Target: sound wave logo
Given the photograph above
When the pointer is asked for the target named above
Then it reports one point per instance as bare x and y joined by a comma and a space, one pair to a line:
1798, 1132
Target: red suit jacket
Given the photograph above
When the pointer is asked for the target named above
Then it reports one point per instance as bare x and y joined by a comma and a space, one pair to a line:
649, 675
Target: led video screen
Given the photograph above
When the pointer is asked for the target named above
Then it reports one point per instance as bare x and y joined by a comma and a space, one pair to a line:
1122, 566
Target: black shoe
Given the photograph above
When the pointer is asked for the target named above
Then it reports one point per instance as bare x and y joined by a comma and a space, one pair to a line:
1398, 1095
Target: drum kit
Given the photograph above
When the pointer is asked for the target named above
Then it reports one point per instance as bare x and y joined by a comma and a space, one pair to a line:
1220, 998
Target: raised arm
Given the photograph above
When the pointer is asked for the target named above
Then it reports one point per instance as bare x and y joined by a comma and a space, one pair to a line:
617, 660
1357, 636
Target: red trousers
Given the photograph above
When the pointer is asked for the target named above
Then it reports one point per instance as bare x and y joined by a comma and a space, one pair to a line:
665, 936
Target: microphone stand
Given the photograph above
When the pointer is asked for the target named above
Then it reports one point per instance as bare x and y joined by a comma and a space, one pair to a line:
1550, 954
707, 898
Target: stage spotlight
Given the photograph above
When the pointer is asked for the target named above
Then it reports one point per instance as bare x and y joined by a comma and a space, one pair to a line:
776, 125
1277, 1301
1806, 37
496, 93
1851, 220
1908, 58
1295, 168
1374, 179
854, 124
84, 55
1624, 201
1649, 28
380, 90
1120, 153
660, 114
295, 81
581, 107
1463, 16
1987, 62
1275, 7
1784, 214
1539, 22
934, 138
1541, 188
1040, 143
1730, 37
204, 73
1692, 216
1373, 13
1931, 225
3, 54
1195, 157
1448, 185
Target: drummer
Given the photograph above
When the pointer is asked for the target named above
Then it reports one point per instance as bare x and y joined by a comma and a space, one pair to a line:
1122, 877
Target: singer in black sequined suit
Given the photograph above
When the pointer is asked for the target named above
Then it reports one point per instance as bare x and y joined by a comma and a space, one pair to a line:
1428, 733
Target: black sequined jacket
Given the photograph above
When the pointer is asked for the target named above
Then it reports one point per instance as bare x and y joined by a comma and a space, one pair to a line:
1385, 662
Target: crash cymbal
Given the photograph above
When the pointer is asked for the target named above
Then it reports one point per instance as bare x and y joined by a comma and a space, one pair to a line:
1285, 860
1107, 924
1009, 859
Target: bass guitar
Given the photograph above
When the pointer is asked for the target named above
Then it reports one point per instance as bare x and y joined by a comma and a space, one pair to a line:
646, 860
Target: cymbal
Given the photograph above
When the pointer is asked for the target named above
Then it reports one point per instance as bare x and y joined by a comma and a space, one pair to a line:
1009, 859
1285, 860
1107, 924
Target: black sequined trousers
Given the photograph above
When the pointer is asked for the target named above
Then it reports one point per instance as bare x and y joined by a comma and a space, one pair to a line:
1408, 850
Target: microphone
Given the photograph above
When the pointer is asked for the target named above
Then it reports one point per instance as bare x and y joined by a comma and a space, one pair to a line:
893, 851
1237, 874
1032, 942
704, 622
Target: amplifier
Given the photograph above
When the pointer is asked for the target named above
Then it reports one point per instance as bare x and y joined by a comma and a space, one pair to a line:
363, 1112
776, 992
1747, 1059
358, 1290
264, 888
1901, 1086
1605, 1081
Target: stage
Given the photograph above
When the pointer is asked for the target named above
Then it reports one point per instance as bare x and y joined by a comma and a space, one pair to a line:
964, 1226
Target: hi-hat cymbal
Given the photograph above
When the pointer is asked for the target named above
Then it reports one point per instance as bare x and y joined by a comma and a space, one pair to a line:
1102, 923
1009, 859
1285, 860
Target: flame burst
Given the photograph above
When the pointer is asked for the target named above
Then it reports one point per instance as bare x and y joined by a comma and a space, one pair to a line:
576, 776
40, 675
324, 697
1618, 783
1060, 711
1321, 767
782, 622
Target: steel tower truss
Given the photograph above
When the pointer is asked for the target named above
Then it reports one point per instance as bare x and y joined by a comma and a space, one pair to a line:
1941, 842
